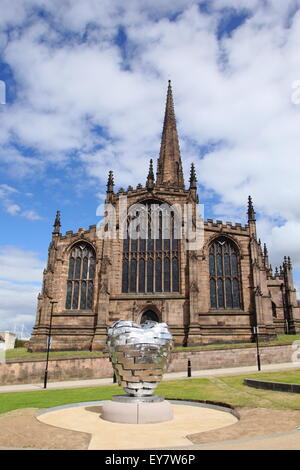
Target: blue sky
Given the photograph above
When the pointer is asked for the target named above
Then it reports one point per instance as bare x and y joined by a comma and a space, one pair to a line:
86, 85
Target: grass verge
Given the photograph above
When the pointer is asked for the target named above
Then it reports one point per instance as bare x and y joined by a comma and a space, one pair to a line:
229, 389
22, 353
281, 339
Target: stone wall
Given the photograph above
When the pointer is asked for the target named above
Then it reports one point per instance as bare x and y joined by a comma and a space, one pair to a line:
72, 368
235, 357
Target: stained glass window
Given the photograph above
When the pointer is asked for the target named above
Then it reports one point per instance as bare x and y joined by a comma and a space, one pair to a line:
80, 285
150, 262
90, 295
141, 275
158, 275
220, 293
213, 293
224, 270
150, 282
125, 275
83, 296
133, 271
212, 265
175, 274
167, 278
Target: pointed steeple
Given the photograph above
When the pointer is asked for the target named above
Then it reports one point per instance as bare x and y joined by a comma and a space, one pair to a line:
57, 224
150, 177
169, 168
193, 178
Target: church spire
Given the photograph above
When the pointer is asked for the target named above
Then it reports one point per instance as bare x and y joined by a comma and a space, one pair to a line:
169, 168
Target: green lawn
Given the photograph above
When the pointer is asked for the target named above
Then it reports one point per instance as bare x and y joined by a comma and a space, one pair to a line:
19, 353
229, 389
281, 339
49, 398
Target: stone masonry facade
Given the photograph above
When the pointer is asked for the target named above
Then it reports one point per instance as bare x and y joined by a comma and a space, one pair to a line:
214, 293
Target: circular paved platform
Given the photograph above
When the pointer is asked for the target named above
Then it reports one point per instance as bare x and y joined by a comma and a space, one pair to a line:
188, 419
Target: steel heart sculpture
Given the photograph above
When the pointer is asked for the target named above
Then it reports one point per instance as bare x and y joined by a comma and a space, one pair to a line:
139, 354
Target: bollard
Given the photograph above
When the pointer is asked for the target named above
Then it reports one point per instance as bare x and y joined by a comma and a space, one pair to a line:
189, 369
114, 378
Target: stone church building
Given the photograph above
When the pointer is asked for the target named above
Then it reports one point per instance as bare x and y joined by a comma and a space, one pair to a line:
215, 293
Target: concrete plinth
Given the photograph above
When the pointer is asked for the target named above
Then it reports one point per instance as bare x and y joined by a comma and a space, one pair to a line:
132, 410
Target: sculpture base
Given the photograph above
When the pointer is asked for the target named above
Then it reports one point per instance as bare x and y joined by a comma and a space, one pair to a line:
137, 410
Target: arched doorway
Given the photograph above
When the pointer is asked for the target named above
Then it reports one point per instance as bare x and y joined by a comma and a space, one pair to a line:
149, 315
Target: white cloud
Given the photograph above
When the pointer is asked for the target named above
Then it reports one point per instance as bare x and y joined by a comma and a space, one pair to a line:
12, 209
20, 265
235, 92
18, 306
31, 215
6, 189
20, 277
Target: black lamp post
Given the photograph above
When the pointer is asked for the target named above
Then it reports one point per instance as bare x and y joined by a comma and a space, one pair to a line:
52, 302
256, 331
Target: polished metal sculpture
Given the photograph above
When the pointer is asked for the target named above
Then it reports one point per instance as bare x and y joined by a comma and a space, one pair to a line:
139, 354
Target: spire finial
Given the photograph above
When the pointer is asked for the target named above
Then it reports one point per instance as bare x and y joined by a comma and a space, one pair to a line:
193, 178
251, 212
57, 224
281, 270
150, 177
271, 270
110, 182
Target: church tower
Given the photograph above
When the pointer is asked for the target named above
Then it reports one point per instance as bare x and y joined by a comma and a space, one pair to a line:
144, 264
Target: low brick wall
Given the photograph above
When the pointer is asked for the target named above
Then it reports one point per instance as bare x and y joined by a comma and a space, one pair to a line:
234, 357
32, 370
274, 386
71, 368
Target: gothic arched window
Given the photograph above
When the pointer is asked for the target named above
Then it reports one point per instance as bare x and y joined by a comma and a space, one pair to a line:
224, 272
151, 251
80, 284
